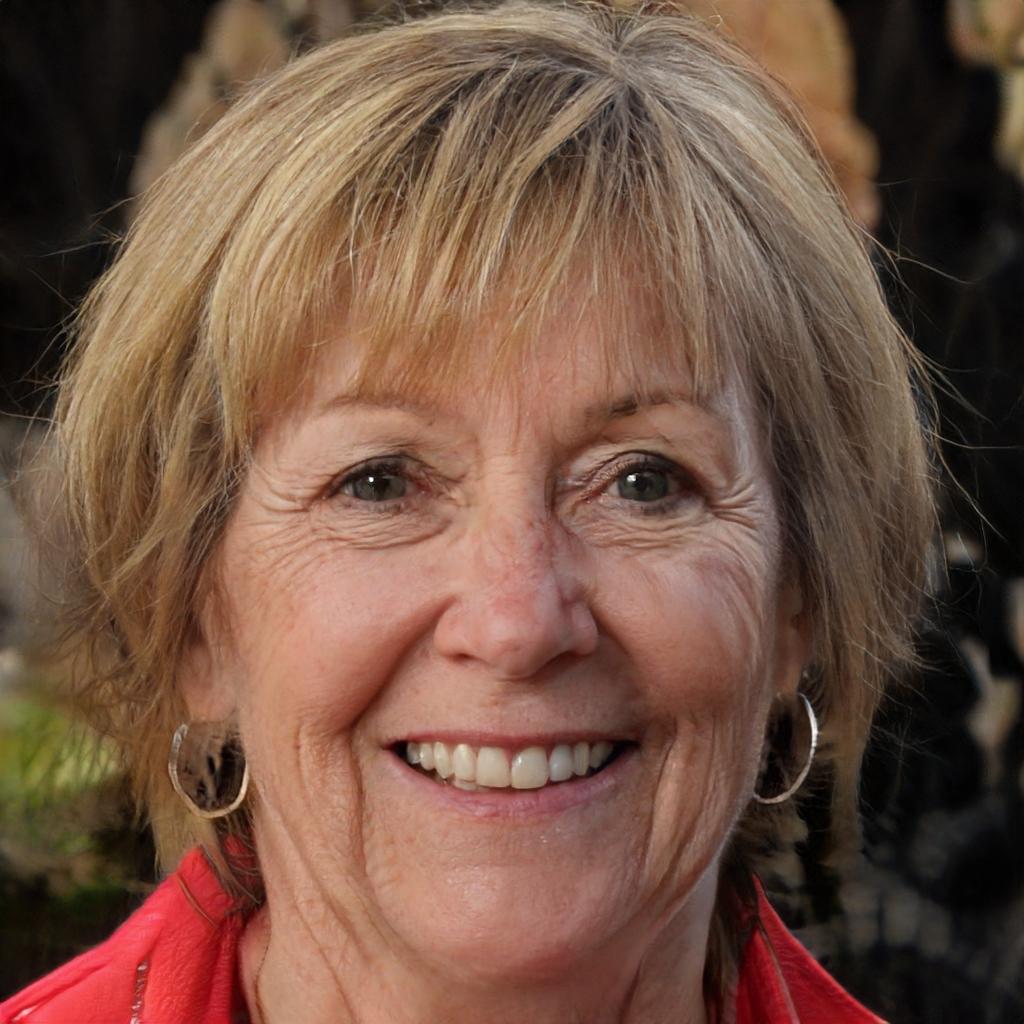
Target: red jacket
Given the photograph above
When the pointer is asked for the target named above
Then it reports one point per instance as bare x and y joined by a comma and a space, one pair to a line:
175, 961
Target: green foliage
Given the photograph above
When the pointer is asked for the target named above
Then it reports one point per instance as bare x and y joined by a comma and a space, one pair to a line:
73, 863
50, 773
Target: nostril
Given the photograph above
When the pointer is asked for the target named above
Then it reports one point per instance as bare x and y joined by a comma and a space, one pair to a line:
518, 628
584, 628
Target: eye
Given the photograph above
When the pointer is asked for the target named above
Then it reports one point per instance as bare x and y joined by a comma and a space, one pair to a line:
653, 482
376, 482
643, 483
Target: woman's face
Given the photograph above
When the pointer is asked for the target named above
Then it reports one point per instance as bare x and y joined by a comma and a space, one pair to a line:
513, 573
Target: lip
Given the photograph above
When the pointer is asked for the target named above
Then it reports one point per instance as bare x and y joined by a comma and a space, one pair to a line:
512, 741
514, 804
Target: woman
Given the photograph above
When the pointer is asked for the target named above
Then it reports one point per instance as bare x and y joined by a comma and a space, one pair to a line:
487, 460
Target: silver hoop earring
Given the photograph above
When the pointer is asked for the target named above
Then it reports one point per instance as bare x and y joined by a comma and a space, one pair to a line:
208, 769
801, 775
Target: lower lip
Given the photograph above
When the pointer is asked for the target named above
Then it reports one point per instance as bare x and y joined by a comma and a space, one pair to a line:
517, 803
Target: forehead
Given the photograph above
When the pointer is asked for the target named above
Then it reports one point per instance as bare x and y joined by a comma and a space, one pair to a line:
569, 375
577, 352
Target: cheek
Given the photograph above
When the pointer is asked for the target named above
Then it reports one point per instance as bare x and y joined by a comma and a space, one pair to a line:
324, 634
695, 633
700, 640
699, 629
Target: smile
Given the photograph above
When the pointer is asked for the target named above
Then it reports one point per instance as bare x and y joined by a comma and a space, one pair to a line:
475, 768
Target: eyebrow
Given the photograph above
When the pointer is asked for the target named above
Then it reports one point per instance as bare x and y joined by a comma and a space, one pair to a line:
595, 413
375, 400
633, 403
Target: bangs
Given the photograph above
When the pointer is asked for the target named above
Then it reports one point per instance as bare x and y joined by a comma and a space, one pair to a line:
530, 194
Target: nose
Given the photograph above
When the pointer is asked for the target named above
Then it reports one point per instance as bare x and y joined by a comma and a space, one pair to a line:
519, 602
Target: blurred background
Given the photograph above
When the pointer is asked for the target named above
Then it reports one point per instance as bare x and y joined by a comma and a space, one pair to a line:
918, 105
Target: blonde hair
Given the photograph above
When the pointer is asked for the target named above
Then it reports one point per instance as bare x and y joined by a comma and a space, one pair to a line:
411, 177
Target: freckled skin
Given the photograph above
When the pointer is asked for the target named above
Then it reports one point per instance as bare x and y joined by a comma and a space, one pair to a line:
518, 586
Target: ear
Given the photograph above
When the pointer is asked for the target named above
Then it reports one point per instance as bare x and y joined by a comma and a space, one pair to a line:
793, 635
203, 682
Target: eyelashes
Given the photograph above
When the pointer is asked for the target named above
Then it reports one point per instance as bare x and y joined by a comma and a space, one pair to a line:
643, 483
380, 480
653, 484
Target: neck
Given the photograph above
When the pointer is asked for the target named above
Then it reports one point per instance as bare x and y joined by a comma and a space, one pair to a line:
342, 974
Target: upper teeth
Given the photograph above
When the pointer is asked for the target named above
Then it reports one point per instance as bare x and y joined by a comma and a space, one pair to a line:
497, 768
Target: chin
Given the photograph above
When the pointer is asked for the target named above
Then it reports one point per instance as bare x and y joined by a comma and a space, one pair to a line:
531, 928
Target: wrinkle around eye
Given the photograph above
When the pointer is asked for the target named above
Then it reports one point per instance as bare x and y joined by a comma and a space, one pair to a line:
739, 512
745, 504
597, 523
376, 527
